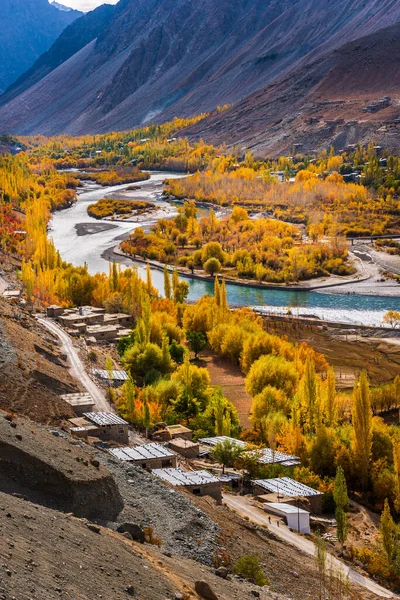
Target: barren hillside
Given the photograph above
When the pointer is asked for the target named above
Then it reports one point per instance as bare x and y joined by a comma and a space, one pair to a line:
153, 60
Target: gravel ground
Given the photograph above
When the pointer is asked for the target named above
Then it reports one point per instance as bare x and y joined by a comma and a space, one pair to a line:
183, 528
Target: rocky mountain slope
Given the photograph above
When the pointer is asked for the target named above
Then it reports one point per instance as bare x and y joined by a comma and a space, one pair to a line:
74, 37
320, 104
154, 59
28, 28
33, 372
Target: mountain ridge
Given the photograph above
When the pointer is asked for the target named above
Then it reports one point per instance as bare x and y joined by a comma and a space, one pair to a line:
153, 60
29, 27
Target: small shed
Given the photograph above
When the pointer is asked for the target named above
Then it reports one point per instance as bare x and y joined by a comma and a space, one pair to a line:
116, 377
148, 456
80, 402
296, 518
199, 483
185, 447
180, 431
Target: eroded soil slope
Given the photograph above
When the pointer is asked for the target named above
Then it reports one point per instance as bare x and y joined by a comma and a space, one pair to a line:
32, 370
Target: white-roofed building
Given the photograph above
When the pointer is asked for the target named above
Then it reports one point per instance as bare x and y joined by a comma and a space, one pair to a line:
295, 517
199, 483
149, 456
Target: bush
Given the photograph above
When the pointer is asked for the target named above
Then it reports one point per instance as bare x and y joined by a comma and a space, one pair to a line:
249, 567
274, 371
212, 266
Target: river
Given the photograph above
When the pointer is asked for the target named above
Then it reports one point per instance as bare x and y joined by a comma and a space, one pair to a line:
81, 249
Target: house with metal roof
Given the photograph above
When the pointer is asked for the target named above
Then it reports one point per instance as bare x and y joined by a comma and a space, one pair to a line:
149, 456
199, 483
285, 489
105, 426
266, 456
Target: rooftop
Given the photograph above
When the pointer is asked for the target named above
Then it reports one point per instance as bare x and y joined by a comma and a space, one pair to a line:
146, 452
180, 478
284, 508
78, 399
181, 443
115, 375
286, 486
178, 428
102, 418
265, 455
213, 441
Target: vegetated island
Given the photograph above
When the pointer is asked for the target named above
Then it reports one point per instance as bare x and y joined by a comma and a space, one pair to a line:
117, 176
263, 250
118, 209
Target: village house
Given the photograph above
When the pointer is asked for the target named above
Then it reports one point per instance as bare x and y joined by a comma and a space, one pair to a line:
199, 483
185, 447
265, 456
114, 377
148, 456
287, 490
105, 426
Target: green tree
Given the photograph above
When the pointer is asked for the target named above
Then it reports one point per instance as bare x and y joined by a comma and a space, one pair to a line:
130, 401
224, 302
388, 531
167, 284
197, 341
362, 423
217, 292
320, 563
342, 501
330, 399
212, 266
226, 453
309, 393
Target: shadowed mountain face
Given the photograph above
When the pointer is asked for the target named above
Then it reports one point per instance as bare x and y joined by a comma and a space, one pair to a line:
27, 29
154, 59
321, 103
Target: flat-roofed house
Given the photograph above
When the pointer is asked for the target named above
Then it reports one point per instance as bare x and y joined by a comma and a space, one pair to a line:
149, 456
105, 426
285, 489
199, 483
185, 448
179, 431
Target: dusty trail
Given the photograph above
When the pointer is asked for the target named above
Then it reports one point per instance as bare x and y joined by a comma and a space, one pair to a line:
77, 369
245, 509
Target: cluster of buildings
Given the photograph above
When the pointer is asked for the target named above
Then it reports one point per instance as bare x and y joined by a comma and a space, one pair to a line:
280, 497
94, 323
380, 104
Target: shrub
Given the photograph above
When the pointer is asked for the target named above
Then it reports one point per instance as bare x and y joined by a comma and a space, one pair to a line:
249, 567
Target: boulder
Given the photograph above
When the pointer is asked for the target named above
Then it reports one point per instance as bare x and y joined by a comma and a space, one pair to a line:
204, 590
222, 572
134, 530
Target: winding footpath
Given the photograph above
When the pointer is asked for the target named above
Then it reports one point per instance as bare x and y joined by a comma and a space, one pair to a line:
244, 507
77, 368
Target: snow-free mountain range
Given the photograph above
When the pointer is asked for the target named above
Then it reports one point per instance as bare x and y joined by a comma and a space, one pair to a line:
308, 69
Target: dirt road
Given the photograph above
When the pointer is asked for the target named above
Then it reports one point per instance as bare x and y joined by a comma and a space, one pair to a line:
244, 507
77, 368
